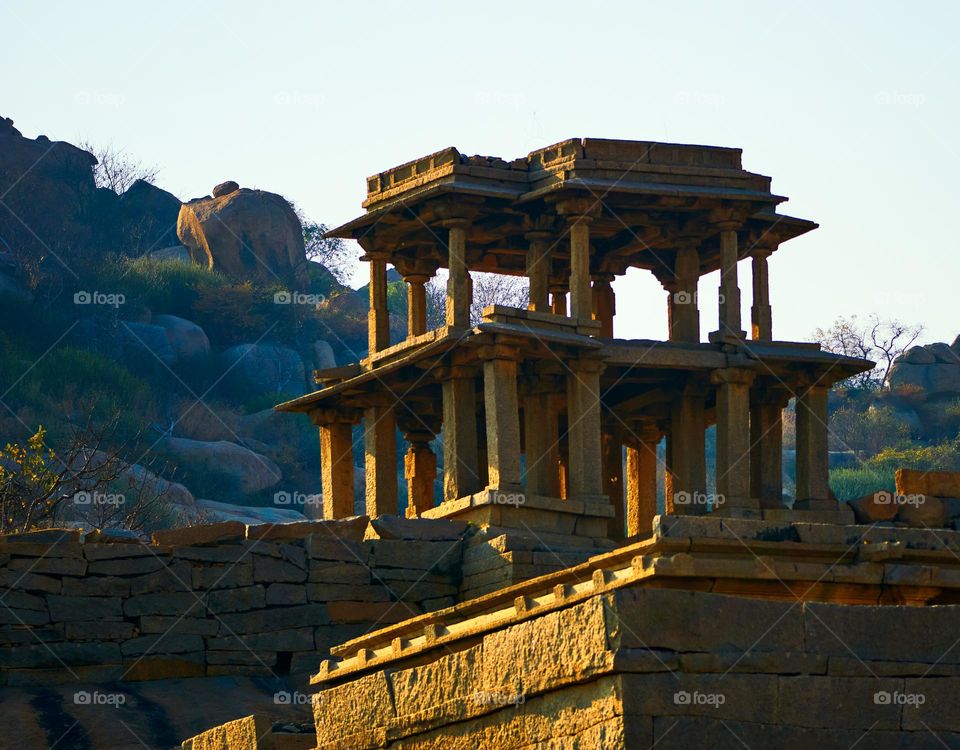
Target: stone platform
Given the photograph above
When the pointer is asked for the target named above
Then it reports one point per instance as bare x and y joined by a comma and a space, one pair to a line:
720, 630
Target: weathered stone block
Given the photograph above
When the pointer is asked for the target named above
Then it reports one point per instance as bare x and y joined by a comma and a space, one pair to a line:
131, 566
162, 643
55, 566
285, 594
12, 579
383, 613
58, 654
270, 570
72, 608
339, 573
99, 630
294, 639
236, 600
213, 533
96, 586
222, 576
538, 654
837, 702
164, 604
178, 625
921, 633
331, 592
175, 577
698, 621
276, 618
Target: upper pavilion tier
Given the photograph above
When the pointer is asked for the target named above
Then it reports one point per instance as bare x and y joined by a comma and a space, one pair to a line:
647, 200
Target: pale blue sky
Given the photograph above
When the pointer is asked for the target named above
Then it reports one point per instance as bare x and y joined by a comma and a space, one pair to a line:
852, 108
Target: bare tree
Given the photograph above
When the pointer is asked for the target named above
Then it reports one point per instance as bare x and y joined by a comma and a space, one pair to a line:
488, 289
332, 253
115, 169
877, 339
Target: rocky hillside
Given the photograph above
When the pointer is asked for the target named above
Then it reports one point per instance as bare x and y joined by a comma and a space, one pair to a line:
180, 323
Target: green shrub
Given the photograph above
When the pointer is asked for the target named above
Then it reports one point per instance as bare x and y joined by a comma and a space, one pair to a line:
169, 286
848, 484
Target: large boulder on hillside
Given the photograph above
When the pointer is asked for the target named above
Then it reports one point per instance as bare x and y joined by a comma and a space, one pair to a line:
145, 343
187, 340
927, 372
244, 470
214, 511
148, 216
264, 368
50, 196
246, 234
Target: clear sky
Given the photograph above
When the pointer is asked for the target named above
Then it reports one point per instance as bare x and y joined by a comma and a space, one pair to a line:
852, 108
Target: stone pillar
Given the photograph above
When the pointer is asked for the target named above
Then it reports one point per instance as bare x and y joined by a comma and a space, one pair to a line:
813, 490
416, 304
584, 469
581, 296
542, 442
766, 451
604, 303
380, 459
641, 481
613, 483
503, 418
538, 270
761, 314
683, 311
729, 292
688, 461
420, 471
336, 461
461, 475
733, 442
458, 283
378, 319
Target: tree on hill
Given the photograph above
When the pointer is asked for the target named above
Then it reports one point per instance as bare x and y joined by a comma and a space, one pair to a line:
876, 339
115, 169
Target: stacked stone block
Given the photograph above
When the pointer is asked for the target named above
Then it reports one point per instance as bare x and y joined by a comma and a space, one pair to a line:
222, 599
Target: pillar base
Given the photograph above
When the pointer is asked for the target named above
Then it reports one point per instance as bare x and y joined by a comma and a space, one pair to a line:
727, 337
514, 509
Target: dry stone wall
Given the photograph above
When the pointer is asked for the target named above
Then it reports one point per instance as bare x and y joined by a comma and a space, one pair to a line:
221, 599
645, 667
